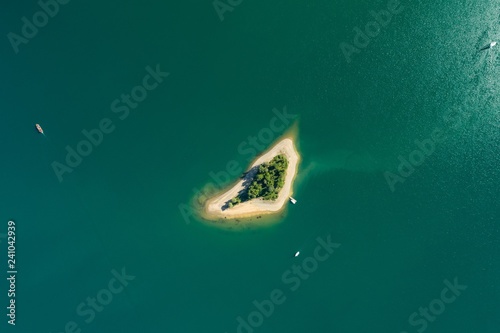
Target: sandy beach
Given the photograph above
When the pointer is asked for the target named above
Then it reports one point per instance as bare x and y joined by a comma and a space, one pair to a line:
257, 207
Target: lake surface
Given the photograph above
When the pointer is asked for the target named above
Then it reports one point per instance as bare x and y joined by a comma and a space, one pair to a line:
112, 229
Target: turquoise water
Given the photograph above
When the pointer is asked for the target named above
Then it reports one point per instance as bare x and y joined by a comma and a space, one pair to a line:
119, 208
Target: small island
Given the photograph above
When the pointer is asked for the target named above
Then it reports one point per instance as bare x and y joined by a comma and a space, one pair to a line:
264, 188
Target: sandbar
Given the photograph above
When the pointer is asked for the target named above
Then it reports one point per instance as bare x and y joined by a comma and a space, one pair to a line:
213, 208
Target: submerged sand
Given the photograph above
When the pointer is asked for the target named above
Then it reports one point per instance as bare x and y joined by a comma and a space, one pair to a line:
214, 206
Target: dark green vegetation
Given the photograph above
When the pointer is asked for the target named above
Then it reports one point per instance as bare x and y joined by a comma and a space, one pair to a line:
267, 182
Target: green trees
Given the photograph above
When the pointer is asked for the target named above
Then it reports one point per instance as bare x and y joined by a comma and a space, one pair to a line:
267, 183
234, 201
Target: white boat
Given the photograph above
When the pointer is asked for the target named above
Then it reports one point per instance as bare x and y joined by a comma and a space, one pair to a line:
297, 254
489, 46
39, 128
292, 200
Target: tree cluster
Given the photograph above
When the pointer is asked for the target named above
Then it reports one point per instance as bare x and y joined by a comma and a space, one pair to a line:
267, 183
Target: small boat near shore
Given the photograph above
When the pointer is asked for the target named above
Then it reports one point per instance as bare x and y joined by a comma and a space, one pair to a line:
292, 200
39, 128
489, 46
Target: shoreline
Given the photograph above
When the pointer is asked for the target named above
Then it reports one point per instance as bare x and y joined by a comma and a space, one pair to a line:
212, 207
